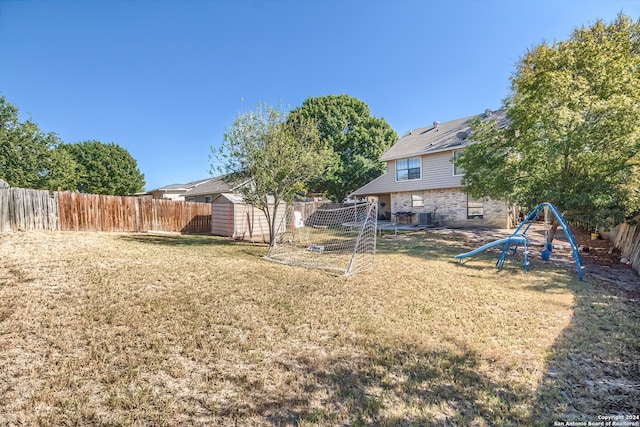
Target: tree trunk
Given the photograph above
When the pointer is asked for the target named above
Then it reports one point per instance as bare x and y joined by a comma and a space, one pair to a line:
273, 223
552, 231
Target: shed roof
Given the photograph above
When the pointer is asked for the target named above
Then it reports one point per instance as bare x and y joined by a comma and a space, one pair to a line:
232, 197
238, 199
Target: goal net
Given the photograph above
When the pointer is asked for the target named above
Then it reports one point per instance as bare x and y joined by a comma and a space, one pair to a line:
342, 239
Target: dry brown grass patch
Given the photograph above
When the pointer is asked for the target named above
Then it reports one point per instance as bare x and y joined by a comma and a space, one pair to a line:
126, 329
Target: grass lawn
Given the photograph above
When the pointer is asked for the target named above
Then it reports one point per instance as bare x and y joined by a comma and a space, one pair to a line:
139, 329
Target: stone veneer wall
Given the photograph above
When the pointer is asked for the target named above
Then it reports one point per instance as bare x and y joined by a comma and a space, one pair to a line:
451, 209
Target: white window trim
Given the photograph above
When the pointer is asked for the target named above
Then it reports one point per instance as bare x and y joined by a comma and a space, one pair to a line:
408, 180
453, 156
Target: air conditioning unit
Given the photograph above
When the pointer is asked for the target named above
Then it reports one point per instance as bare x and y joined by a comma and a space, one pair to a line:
425, 218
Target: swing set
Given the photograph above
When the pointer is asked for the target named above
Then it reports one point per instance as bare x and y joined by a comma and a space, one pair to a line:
519, 237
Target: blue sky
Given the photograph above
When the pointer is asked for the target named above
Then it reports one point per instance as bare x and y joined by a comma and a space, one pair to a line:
163, 79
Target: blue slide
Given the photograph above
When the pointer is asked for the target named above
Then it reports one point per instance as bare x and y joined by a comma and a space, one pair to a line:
508, 240
518, 238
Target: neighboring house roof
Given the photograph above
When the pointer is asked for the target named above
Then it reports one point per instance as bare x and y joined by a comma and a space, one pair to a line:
183, 187
438, 137
215, 185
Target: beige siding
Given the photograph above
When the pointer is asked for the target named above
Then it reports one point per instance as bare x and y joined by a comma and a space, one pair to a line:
177, 196
437, 172
251, 223
240, 221
222, 217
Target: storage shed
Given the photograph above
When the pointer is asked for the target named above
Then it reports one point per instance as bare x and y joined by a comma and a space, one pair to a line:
232, 217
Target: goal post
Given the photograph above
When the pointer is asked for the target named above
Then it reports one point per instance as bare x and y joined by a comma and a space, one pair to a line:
341, 239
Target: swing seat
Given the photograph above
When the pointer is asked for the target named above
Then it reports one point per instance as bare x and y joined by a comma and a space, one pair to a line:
546, 255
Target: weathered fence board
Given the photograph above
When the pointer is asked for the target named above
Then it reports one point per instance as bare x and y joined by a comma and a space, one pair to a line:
5, 219
36, 210
626, 237
92, 212
27, 210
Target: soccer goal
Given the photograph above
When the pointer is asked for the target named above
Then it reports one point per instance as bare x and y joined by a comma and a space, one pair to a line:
342, 239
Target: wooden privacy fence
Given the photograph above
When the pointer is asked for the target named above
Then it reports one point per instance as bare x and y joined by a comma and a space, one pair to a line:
29, 210
626, 237
93, 212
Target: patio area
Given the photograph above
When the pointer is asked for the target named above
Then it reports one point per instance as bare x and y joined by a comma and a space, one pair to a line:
386, 225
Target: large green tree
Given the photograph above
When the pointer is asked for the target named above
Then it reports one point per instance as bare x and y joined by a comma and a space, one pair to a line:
274, 158
104, 168
28, 156
355, 139
574, 132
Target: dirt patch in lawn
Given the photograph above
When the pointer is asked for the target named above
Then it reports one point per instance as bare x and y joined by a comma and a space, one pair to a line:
601, 261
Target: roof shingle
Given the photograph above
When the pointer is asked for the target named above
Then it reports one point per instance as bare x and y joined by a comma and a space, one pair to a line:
445, 136
212, 186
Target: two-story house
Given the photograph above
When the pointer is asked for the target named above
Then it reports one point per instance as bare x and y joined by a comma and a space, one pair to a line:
422, 185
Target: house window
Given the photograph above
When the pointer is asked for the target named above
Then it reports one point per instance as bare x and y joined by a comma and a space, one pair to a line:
457, 170
417, 201
408, 169
475, 208
207, 199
